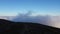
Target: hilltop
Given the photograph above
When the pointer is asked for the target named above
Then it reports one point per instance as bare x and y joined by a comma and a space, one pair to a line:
10, 27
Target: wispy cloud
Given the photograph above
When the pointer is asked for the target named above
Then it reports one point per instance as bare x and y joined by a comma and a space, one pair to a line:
46, 20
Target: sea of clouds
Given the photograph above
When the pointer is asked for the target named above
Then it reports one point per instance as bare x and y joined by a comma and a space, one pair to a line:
46, 19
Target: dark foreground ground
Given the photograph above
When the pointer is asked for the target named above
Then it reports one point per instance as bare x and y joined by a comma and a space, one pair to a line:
9, 27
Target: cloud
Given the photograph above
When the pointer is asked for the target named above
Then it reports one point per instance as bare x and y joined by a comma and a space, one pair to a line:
46, 20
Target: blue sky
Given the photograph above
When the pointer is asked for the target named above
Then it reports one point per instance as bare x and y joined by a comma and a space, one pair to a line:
43, 7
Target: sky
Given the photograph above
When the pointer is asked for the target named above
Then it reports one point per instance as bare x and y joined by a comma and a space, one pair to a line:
21, 10
42, 7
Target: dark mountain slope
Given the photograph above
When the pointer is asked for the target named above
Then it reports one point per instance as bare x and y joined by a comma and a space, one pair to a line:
9, 27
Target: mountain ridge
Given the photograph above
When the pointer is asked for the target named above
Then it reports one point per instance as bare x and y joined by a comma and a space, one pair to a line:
9, 27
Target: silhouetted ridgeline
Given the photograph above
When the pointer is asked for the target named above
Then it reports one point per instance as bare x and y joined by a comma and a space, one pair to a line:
9, 27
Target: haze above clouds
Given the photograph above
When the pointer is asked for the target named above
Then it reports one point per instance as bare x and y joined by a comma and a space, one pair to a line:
30, 17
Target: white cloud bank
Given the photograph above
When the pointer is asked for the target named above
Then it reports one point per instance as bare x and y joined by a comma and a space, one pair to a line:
46, 20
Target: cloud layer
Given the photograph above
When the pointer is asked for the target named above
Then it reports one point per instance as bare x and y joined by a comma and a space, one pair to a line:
46, 20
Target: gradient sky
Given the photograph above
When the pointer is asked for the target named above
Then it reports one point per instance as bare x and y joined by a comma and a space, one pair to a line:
12, 7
